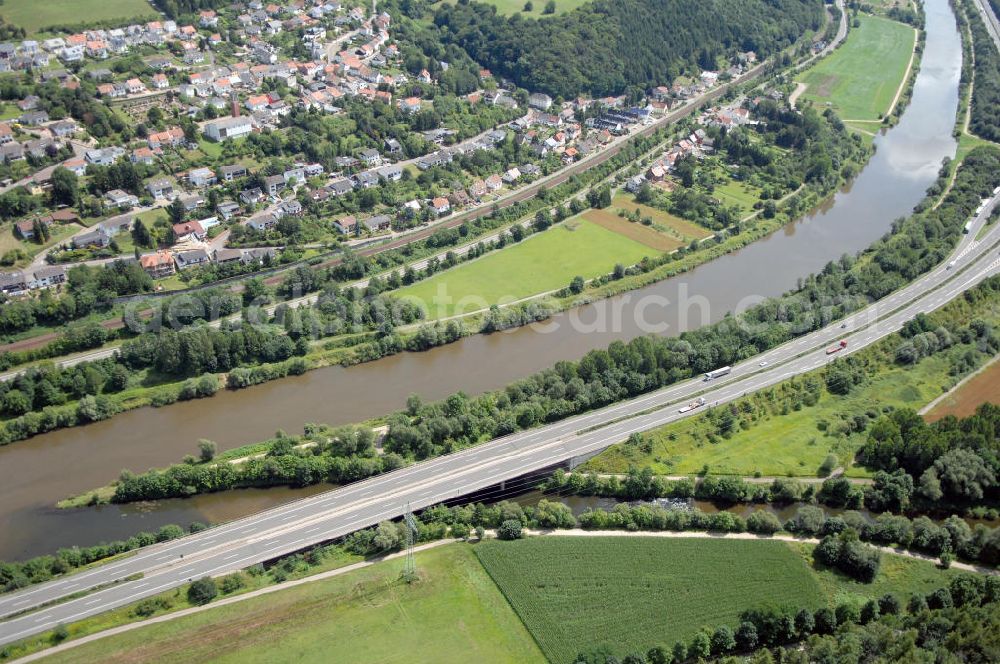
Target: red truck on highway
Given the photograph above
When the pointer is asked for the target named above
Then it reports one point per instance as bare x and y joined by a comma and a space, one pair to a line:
836, 349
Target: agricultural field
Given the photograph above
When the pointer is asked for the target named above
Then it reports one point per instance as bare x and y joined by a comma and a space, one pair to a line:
847, 81
541, 263
982, 388
638, 592
783, 440
36, 16
454, 613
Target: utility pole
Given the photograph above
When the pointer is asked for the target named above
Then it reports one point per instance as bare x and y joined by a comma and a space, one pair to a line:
410, 565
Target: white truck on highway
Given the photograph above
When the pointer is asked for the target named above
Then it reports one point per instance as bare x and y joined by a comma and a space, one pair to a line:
691, 406
715, 373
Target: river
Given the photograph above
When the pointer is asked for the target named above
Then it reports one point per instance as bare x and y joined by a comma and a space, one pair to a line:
37, 472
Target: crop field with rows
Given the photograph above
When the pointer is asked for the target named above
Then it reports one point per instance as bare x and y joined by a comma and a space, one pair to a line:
577, 593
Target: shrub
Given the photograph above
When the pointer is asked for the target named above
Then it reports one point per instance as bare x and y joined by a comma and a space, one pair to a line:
202, 591
511, 529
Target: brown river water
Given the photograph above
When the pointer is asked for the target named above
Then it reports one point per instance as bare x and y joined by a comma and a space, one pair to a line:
35, 473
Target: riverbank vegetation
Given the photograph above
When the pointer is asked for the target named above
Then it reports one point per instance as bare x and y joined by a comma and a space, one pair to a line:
792, 428
984, 120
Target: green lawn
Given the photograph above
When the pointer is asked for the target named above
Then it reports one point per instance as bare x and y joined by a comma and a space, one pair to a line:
778, 439
681, 228
634, 593
860, 79
453, 614
34, 16
542, 262
897, 574
210, 148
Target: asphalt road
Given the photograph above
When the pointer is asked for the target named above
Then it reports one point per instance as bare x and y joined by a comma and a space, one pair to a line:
338, 512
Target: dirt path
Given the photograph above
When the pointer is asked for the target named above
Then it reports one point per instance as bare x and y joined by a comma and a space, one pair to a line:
906, 75
796, 93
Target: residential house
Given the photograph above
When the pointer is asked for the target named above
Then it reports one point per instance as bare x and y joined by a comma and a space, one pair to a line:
33, 118
94, 238
202, 177
187, 230
370, 157
113, 227
120, 199
341, 187
540, 101
366, 179
104, 156
223, 256
166, 138
251, 196
160, 188
511, 176
191, 258
379, 222
192, 202
227, 209
261, 221
494, 182
273, 184
441, 205
347, 225
158, 264
46, 277
231, 172
142, 156
77, 165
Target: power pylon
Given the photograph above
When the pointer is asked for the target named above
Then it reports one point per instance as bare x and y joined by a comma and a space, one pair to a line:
410, 565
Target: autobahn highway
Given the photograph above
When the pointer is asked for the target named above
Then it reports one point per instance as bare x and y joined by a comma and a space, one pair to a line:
338, 512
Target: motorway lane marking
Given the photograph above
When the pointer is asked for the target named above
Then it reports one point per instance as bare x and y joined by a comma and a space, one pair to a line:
93, 601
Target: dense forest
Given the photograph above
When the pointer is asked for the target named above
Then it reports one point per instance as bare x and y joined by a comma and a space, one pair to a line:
608, 45
984, 120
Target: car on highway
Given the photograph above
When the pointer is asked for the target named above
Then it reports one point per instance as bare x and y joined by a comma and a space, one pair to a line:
762, 363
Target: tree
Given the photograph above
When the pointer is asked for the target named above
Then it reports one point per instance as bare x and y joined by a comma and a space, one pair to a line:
176, 211
550, 7
962, 474
746, 636
386, 536
701, 646
576, 285
723, 640
207, 449
763, 522
529, 6
255, 292
65, 189
202, 591
140, 234
511, 529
